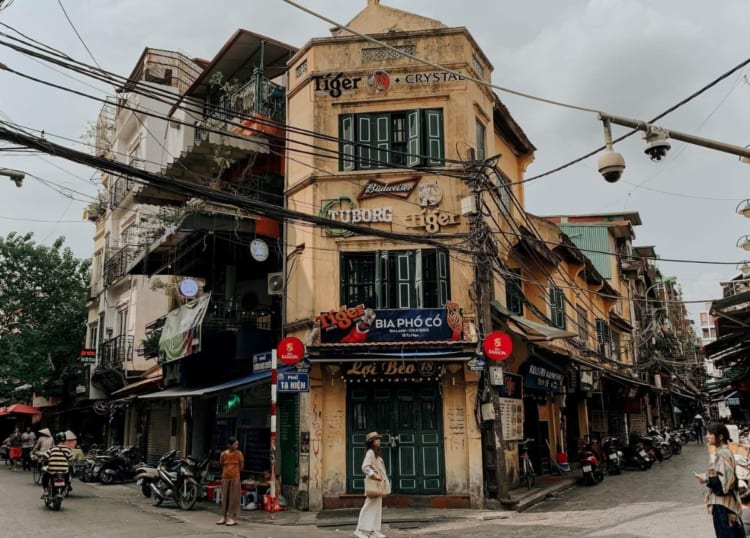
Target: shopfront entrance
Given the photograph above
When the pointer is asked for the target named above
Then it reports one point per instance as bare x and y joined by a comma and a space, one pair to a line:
409, 415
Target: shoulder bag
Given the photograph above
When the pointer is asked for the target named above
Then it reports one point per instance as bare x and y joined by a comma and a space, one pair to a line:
374, 488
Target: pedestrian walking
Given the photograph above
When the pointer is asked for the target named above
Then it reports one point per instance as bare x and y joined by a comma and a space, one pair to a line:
699, 428
376, 487
723, 497
28, 438
15, 450
232, 463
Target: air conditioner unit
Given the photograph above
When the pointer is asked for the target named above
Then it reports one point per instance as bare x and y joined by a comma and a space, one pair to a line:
275, 283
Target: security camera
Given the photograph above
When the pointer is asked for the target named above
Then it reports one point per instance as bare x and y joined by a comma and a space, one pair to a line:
657, 144
611, 166
17, 179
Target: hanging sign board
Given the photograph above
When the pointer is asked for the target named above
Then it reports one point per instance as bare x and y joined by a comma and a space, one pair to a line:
498, 346
291, 350
261, 362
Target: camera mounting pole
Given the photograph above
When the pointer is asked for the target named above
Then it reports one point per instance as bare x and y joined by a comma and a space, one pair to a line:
744, 153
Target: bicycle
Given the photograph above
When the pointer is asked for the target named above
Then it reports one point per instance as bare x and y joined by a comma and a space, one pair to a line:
526, 469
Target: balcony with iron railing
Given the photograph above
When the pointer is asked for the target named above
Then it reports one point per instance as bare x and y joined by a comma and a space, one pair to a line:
119, 190
257, 97
117, 264
114, 353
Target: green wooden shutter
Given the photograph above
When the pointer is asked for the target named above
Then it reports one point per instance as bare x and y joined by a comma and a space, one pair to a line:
404, 280
365, 141
380, 261
382, 140
434, 137
418, 279
346, 142
557, 307
514, 291
414, 138
444, 290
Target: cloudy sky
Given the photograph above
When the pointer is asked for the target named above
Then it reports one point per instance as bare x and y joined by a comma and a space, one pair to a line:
634, 58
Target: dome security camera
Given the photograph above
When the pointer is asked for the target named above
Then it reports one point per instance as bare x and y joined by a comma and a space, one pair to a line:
611, 166
657, 144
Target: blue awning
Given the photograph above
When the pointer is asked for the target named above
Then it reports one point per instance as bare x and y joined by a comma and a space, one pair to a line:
234, 384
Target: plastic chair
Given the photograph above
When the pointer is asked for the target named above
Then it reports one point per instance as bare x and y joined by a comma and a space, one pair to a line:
217, 496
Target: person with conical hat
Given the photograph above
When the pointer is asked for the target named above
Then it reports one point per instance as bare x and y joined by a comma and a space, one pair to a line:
44, 442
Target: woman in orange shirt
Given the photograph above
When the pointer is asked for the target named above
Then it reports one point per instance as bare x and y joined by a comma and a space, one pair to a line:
232, 463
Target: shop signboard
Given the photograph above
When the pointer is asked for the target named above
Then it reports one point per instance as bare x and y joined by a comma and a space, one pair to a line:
498, 346
87, 356
541, 375
291, 350
359, 324
393, 370
293, 382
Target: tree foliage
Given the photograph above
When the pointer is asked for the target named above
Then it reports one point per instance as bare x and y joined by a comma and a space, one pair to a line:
43, 296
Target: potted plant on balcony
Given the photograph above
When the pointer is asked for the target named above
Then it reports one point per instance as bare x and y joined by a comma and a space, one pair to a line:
150, 345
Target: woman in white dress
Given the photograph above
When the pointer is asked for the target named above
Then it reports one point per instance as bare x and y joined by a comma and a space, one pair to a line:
371, 515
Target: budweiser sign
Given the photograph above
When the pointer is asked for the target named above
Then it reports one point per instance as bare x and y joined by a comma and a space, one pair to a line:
396, 189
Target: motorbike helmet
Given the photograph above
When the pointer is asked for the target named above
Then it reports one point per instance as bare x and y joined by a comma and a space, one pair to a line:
60, 437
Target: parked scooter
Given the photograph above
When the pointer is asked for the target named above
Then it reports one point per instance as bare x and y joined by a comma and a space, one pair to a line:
661, 444
57, 491
591, 466
181, 484
614, 456
118, 467
636, 454
146, 474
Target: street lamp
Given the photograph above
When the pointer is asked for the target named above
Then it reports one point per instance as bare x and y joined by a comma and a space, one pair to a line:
15, 175
744, 242
743, 208
744, 267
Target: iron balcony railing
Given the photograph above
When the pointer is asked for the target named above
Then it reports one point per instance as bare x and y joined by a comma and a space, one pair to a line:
229, 314
256, 96
120, 189
117, 265
113, 353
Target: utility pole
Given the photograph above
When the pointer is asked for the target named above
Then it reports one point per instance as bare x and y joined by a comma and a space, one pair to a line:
485, 254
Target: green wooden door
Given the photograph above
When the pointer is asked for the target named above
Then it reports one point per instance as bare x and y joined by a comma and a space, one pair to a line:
410, 419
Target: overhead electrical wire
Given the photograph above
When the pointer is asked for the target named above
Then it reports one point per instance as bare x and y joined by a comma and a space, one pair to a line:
525, 95
3, 66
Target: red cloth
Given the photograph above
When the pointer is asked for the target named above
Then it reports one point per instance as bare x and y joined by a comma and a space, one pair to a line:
15, 452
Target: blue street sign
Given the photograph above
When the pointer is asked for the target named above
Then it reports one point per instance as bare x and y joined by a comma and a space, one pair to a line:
293, 382
261, 362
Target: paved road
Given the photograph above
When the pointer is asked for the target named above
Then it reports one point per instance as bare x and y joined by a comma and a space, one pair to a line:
663, 502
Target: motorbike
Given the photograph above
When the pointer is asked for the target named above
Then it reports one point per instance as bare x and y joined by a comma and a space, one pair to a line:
591, 466
145, 475
178, 479
674, 441
118, 467
614, 456
660, 443
57, 491
648, 445
636, 455
92, 466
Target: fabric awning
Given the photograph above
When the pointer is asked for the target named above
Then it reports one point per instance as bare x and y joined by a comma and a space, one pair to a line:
531, 330
19, 409
211, 390
127, 389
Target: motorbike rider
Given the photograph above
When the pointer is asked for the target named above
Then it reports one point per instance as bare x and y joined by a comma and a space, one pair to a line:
58, 461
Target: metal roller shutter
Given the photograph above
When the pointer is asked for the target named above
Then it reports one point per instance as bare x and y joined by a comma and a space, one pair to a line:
159, 427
